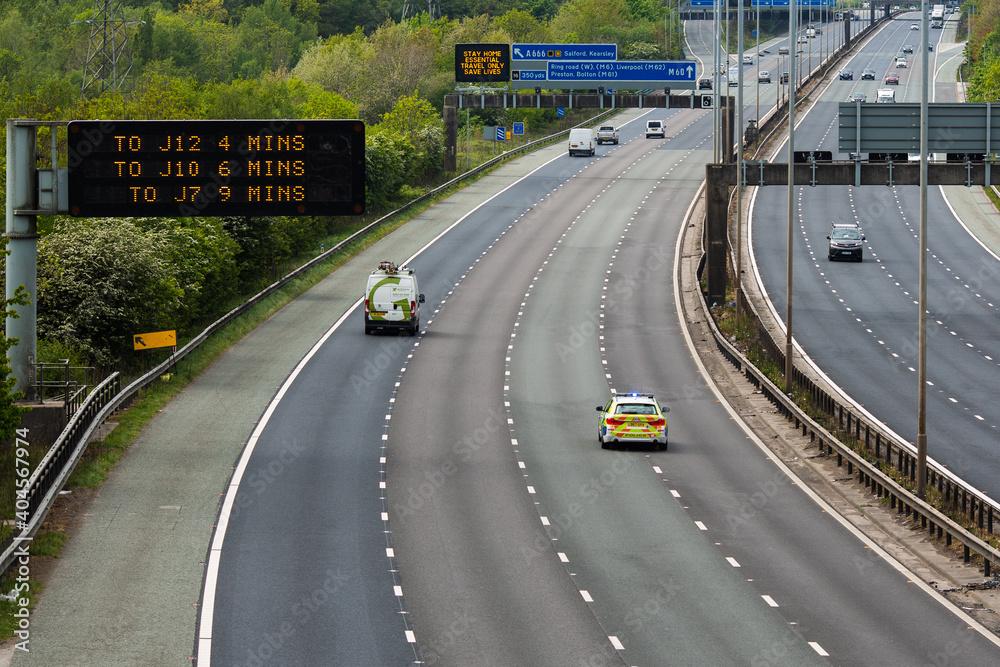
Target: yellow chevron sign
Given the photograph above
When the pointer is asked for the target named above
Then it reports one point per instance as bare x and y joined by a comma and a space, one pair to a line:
148, 341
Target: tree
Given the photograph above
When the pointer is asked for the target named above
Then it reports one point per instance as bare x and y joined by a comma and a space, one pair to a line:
333, 64
524, 28
399, 61
584, 19
100, 282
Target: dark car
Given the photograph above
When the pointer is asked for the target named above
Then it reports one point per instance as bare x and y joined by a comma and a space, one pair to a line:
869, 73
784, 77
847, 74
846, 242
907, 48
782, 50
705, 84
892, 78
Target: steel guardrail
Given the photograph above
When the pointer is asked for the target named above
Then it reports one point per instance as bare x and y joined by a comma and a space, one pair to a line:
885, 450
51, 474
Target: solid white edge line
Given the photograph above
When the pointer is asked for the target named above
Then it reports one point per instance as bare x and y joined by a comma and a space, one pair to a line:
967, 230
215, 551
780, 323
934, 594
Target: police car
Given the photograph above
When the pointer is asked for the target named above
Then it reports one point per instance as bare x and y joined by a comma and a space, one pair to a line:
632, 417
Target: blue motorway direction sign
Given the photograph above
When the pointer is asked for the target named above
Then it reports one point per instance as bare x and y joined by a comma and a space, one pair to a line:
623, 70
518, 127
564, 52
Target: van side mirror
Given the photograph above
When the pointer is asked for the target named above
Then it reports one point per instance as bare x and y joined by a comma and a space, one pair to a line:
600, 408
420, 298
665, 409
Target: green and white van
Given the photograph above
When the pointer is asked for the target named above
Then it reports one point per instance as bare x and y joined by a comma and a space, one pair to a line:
392, 299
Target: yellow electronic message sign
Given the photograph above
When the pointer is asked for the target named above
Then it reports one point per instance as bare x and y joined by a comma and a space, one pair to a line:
482, 62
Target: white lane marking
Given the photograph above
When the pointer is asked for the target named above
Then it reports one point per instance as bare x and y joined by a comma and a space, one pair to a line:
700, 525
563, 557
410, 637
732, 561
586, 596
617, 644
769, 600
818, 649
847, 525
675, 493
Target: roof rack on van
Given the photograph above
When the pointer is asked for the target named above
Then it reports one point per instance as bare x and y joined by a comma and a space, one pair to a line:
390, 268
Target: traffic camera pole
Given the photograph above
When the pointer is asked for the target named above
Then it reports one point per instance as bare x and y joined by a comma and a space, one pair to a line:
22, 246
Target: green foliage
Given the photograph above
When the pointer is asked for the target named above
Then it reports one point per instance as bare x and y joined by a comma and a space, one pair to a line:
400, 59
385, 166
99, 282
524, 27
333, 65
201, 256
984, 85
586, 19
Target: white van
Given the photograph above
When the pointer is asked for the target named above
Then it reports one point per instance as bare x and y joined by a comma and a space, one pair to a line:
885, 96
392, 299
734, 76
581, 141
654, 128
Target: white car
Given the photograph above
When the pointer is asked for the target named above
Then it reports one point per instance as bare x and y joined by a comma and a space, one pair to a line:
763, 77
748, 60
900, 62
